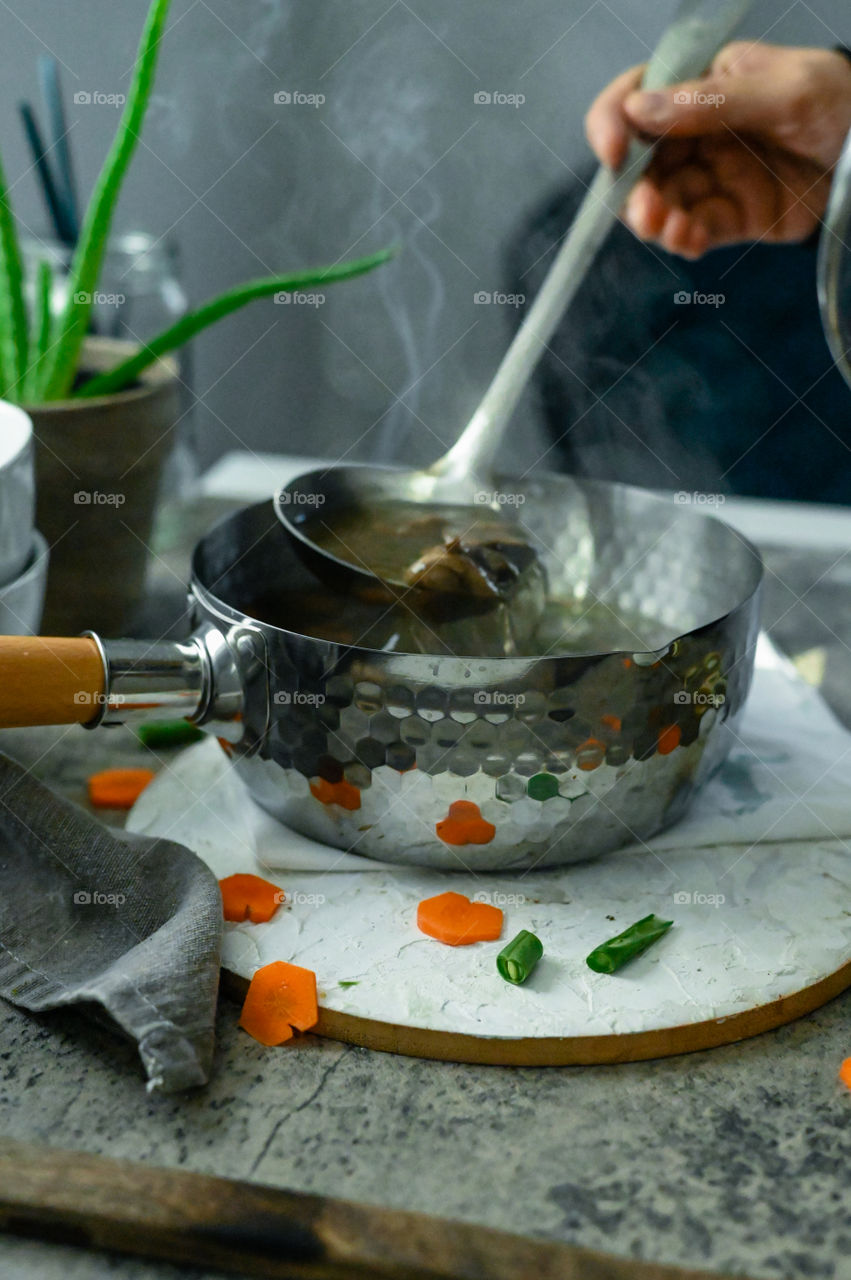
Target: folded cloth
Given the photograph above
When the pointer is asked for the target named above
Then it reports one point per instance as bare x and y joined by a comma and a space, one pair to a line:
92, 914
785, 779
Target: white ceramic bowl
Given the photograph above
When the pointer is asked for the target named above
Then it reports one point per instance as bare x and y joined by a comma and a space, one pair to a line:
17, 491
22, 600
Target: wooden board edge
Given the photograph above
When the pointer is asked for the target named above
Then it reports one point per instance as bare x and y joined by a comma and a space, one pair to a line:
567, 1051
246, 1228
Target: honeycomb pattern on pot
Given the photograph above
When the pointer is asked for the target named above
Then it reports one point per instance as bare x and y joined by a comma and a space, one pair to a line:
532, 743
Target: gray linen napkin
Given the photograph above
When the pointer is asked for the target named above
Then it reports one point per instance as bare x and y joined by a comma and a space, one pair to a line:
88, 913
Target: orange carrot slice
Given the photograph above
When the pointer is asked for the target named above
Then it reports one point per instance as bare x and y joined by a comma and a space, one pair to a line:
845, 1073
669, 739
341, 793
247, 897
455, 920
464, 825
590, 754
281, 996
118, 788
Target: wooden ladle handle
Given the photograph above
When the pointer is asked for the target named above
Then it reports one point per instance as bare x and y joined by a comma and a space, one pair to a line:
49, 680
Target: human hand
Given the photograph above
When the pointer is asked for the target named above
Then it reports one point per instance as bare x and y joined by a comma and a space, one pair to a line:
745, 153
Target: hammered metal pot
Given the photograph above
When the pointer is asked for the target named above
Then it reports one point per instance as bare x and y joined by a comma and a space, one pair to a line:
437, 759
565, 758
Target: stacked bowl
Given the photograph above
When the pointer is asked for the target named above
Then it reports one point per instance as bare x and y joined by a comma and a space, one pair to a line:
23, 551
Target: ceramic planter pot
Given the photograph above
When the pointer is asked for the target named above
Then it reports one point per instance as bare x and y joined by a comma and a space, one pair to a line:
98, 465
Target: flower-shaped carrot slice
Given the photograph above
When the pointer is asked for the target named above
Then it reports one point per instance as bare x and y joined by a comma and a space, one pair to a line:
341, 793
247, 897
465, 825
455, 920
281, 996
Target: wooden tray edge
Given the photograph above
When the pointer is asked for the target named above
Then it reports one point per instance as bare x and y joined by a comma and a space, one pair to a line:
565, 1051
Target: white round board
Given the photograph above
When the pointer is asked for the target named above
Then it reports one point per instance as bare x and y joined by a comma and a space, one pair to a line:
761, 934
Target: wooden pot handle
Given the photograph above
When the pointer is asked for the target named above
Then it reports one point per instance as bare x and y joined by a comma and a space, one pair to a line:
49, 680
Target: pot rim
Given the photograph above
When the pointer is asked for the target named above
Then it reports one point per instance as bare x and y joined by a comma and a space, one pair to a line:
210, 599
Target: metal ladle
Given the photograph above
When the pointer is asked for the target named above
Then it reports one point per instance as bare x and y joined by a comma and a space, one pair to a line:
699, 29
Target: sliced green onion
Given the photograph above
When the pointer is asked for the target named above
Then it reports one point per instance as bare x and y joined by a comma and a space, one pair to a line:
168, 733
517, 960
618, 951
350, 982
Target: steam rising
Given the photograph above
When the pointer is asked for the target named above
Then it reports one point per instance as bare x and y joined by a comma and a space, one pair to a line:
382, 112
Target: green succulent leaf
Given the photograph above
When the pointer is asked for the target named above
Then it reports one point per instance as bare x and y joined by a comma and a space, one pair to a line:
61, 367
188, 326
40, 330
14, 341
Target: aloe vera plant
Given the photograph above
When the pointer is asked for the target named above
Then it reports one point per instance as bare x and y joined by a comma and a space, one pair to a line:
40, 353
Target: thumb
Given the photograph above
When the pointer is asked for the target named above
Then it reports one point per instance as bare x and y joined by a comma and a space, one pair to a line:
696, 108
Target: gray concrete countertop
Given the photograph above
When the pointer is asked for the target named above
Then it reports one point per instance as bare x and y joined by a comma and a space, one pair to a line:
735, 1159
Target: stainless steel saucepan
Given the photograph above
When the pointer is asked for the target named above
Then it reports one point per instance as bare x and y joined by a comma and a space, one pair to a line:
438, 759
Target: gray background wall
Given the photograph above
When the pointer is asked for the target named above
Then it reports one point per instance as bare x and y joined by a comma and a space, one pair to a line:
390, 365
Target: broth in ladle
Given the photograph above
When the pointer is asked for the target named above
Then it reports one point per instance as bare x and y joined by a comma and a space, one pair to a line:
444, 550
476, 587
468, 579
